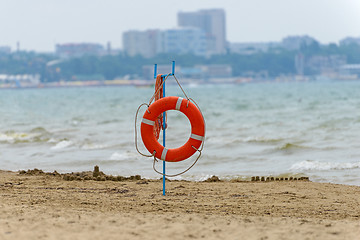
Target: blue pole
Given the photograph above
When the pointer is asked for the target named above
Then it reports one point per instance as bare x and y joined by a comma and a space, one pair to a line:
155, 71
173, 67
164, 125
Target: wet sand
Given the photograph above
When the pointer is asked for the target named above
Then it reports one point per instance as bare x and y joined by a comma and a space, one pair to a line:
46, 206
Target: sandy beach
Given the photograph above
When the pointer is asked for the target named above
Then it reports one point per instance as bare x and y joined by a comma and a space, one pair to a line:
36, 205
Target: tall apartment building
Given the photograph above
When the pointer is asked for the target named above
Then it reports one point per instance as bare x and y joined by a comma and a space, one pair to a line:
178, 41
184, 41
211, 21
144, 43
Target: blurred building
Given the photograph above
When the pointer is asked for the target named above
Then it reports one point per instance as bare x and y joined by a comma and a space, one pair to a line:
144, 43
350, 70
19, 80
200, 33
252, 48
183, 41
70, 50
212, 22
216, 71
295, 42
5, 49
350, 40
178, 41
299, 64
206, 72
325, 65
148, 70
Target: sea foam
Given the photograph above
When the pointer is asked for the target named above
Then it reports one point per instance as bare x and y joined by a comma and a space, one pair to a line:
62, 145
309, 165
121, 156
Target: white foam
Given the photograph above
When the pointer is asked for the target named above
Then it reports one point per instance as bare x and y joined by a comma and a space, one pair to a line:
261, 139
12, 137
309, 165
93, 146
6, 138
61, 145
119, 156
52, 140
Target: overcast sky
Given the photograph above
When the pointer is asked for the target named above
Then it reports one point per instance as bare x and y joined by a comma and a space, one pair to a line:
40, 24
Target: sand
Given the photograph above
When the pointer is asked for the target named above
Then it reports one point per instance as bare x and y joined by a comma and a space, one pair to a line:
45, 206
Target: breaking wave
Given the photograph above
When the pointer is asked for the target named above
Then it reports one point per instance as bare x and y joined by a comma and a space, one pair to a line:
288, 146
61, 145
309, 165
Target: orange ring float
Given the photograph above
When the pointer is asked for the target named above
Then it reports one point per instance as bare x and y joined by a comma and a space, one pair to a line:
197, 129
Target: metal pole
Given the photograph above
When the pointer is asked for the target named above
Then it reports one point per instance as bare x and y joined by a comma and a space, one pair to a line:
164, 120
155, 71
164, 126
173, 68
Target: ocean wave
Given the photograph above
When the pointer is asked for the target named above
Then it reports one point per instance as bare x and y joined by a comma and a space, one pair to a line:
122, 156
258, 139
237, 140
38, 134
39, 130
61, 145
108, 121
309, 165
14, 137
91, 146
6, 138
289, 146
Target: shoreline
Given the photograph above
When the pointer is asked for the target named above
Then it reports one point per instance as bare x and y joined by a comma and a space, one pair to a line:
46, 206
98, 175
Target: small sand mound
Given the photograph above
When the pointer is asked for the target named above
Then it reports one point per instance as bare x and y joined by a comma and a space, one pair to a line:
95, 175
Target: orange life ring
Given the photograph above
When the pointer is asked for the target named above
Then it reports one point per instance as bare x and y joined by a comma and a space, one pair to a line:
197, 128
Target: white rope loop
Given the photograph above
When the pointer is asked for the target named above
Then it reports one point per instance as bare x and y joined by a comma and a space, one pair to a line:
178, 174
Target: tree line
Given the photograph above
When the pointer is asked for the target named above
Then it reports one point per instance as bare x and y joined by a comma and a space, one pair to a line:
275, 62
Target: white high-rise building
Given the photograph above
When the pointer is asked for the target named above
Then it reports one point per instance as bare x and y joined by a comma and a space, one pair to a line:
211, 21
178, 41
184, 41
144, 43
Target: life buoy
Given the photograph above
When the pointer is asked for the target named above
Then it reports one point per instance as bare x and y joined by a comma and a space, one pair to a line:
197, 128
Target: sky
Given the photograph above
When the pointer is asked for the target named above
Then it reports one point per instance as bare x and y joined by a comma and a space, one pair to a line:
40, 24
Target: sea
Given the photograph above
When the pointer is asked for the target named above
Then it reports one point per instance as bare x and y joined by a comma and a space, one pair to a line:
255, 129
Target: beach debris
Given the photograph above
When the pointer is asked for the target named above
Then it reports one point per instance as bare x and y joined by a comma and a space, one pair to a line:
10, 184
35, 171
95, 175
96, 171
271, 179
143, 182
213, 179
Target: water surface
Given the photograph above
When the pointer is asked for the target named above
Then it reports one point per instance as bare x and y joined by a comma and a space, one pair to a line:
266, 129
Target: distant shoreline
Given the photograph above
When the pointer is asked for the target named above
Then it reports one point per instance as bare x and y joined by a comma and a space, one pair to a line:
150, 83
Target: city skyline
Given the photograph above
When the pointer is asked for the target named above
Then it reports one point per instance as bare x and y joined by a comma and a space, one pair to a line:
201, 33
40, 25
